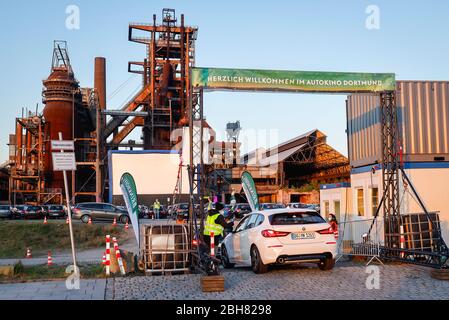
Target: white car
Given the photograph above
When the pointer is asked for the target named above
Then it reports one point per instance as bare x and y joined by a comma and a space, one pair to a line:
280, 236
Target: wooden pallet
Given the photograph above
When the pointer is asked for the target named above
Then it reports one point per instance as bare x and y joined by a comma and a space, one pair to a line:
213, 284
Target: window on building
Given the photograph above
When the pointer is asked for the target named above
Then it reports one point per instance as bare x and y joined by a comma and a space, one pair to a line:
360, 203
337, 209
326, 208
374, 200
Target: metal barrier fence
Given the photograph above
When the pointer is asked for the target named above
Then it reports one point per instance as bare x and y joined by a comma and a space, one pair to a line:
356, 238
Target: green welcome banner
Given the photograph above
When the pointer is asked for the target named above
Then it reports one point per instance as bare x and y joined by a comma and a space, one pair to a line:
250, 190
129, 190
296, 81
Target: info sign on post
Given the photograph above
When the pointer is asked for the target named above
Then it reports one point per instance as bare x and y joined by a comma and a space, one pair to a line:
65, 161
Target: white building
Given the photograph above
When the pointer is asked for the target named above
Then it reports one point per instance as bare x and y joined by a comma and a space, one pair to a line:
423, 116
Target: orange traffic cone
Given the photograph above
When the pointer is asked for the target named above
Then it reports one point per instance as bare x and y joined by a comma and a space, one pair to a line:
28, 253
115, 222
126, 225
45, 220
49, 259
90, 220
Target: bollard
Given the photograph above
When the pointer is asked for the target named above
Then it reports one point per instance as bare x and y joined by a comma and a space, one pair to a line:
119, 257
402, 240
108, 254
212, 244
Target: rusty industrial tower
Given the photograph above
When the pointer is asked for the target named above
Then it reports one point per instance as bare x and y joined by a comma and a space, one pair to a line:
161, 106
72, 111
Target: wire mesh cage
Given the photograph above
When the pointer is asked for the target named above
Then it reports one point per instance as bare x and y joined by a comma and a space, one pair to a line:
166, 247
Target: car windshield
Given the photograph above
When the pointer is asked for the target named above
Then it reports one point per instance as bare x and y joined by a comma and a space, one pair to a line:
34, 208
291, 218
184, 206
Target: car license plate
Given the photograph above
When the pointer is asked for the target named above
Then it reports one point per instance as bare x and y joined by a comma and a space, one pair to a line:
303, 235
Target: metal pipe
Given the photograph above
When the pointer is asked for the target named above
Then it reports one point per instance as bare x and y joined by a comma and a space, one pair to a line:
18, 145
98, 173
100, 80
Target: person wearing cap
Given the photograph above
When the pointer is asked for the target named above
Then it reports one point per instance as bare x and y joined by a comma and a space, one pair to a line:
216, 223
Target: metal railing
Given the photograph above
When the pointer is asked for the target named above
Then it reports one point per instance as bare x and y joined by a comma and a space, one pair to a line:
361, 238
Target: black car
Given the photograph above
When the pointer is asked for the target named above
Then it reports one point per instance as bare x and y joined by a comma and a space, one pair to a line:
5, 212
28, 212
182, 209
54, 211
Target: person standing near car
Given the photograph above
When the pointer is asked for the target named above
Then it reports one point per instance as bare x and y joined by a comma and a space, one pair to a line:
156, 208
334, 224
216, 223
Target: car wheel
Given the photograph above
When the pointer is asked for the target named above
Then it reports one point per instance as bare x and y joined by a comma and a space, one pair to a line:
124, 219
327, 264
85, 218
256, 261
225, 258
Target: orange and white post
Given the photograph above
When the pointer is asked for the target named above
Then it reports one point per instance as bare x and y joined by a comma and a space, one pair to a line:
402, 240
108, 255
119, 256
212, 244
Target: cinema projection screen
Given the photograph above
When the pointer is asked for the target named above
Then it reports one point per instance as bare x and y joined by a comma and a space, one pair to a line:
155, 173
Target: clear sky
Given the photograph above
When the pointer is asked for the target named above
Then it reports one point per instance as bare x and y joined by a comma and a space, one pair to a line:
412, 41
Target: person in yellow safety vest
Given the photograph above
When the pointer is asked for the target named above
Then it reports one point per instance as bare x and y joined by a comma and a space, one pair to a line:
216, 223
156, 208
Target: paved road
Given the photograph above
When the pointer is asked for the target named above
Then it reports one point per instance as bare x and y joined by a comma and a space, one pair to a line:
53, 290
346, 281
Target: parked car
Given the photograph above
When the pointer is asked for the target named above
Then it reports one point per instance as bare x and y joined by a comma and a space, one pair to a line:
280, 236
298, 205
99, 211
5, 212
54, 211
143, 211
315, 207
181, 208
270, 206
28, 212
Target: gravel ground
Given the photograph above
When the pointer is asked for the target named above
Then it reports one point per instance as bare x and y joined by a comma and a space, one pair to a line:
346, 281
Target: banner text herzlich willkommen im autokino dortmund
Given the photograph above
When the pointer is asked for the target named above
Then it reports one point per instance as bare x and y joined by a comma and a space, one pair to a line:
291, 81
